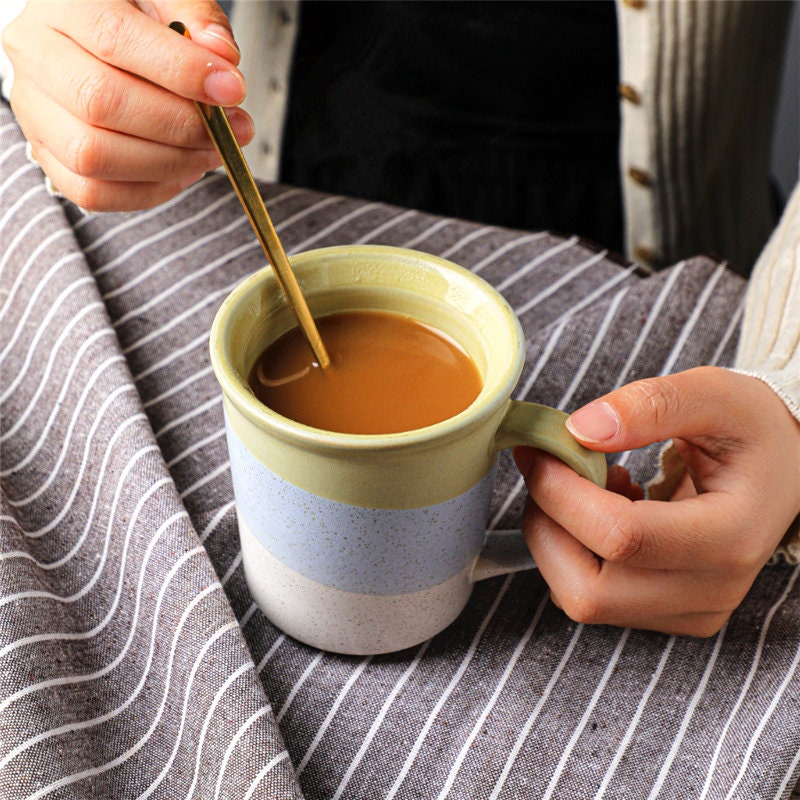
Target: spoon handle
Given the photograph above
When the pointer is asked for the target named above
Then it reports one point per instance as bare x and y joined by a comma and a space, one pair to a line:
233, 159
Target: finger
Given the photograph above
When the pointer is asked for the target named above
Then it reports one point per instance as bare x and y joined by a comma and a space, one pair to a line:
205, 20
103, 195
119, 34
106, 97
591, 591
706, 531
690, 404
619, 481
91, 152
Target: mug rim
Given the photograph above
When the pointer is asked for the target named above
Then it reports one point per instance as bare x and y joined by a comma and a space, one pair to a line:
236, 391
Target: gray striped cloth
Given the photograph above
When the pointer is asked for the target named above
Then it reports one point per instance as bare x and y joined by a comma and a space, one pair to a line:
133, 663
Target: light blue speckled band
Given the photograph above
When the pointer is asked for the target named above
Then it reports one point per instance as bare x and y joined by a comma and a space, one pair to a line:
366, 550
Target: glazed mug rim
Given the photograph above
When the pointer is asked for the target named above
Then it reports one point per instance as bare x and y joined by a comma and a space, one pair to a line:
234, 384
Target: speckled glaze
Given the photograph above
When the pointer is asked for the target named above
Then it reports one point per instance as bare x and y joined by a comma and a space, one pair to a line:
368, 544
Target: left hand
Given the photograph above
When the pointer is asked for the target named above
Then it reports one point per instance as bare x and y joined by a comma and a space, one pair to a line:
104, 92
680, 566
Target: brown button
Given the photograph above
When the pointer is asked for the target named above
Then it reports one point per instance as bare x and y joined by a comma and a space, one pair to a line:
284, 16
640, 176
645, 254
638, 4
629, 93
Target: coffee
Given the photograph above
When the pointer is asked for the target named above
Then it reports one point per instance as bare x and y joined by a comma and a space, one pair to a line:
389, 373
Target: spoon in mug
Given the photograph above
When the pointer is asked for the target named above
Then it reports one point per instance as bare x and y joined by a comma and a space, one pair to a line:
219, 130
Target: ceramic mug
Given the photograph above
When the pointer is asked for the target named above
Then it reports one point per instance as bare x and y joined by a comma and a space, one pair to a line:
364, 544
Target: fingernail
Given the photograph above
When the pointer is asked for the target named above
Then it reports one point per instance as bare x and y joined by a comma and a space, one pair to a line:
596, 422
225, 88
222, 33
242, 125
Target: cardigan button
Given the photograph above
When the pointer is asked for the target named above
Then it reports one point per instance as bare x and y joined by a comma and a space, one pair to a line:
284, 15
630, 94
640, 176
645, 254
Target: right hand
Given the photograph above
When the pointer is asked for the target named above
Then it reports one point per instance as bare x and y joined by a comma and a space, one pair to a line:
680, 566
105, 91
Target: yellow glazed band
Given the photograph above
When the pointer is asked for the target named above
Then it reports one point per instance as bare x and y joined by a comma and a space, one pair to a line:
388, 471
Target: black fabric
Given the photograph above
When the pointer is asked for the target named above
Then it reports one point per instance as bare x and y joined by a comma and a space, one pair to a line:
501, 112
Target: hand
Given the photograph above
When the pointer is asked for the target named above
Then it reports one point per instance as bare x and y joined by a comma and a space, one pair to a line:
104, 93
680, 566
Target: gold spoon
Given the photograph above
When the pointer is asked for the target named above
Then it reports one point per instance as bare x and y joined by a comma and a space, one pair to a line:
219, 130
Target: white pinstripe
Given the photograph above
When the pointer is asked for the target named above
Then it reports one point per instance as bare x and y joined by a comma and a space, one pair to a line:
497, 254
229, 681
748, 682
164, 233
477, 727
73, 726
88, 773
526, 728
588, 711
207, 478
427, 233
393, 222
360, 211
100, 626
299, 685
264, 772
565, 279
542, 258
454, 681
378, 721
687, 717
355, 675
467, 239
226, 756
51, 361
643, 701
179, 387
107, 403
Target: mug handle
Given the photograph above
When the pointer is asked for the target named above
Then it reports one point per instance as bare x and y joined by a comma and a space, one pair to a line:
541, 427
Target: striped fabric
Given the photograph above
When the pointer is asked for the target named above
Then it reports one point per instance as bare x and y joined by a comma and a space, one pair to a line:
133, 663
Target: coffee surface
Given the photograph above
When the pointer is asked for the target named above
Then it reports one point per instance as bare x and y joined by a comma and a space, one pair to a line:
389, 373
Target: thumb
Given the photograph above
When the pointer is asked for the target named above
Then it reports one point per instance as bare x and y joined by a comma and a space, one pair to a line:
205, 21
688, 405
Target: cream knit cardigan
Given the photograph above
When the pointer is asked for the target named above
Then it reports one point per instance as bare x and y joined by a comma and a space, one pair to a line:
694, 150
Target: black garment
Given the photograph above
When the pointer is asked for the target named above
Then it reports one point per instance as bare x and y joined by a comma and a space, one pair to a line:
501, 112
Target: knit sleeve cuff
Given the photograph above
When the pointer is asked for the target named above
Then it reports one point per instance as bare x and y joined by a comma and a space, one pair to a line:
769, 344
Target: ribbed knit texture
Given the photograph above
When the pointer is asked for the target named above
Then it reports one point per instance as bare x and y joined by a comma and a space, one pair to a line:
707, 75
770, 341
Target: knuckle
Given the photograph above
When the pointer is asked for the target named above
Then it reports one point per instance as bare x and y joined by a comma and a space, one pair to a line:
84, 193
84, 156
110, 31
718, 596
623, 541
583, 608
708, 626
186, 130
96, 97
744, 557
9, 41
659, 396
